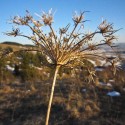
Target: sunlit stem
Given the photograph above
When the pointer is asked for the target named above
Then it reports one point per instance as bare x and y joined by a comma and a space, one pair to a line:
53, 33
51, 95
73, 30
60, 38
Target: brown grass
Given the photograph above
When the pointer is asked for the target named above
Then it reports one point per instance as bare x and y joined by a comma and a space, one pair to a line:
15, 47
27, 102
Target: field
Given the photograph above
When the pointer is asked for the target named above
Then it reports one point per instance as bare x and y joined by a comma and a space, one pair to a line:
76, 102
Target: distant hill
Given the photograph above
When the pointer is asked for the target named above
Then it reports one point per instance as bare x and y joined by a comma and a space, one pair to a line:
17, 44
28, 45
116, 46
121, 45
12, 43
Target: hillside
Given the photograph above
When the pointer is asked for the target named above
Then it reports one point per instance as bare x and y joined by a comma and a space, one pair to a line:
121, 45
16, 46
25, 94
12, 43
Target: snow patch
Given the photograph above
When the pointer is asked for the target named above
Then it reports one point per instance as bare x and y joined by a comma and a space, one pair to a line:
113, 94
109, 84
83, 90
99, 69
9, 68
111, 80
102, 83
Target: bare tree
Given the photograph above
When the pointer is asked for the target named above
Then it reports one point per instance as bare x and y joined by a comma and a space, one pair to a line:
66, 47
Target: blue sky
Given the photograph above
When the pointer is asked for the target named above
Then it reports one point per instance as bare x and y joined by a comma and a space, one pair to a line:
112, 10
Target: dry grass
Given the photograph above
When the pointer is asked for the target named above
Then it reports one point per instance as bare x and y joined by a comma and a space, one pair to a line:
70, 104
15, 47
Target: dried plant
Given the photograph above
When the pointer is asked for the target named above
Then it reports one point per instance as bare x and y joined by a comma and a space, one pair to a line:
67, 47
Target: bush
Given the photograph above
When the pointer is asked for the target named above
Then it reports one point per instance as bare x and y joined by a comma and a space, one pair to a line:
28, 74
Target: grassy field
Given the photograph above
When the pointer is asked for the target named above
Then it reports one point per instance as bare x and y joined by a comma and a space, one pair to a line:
75, 101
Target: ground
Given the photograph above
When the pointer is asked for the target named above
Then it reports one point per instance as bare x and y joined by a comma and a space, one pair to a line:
75, 103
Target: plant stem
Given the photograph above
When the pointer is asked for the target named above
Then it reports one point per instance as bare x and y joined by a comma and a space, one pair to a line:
51, 95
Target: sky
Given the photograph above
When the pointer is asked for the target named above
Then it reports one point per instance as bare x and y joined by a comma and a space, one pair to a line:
111, 10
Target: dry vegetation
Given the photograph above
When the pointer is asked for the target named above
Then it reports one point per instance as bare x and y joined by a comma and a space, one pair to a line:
78, 98
15, 47
73, 104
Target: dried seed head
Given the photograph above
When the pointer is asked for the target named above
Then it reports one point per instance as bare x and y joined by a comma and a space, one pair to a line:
21, 20
78, 18
109, 40
105, 27
65, 39
47, 17
14, 32
50, 34
75, 35
16, 20
28, 16
92, 47
64, 30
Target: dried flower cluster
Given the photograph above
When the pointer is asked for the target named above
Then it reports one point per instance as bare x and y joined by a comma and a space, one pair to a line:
60, 48
47, 17
78, 18
65, 48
